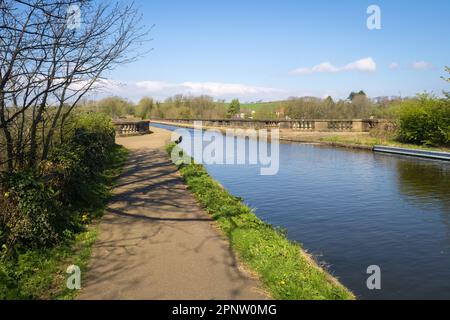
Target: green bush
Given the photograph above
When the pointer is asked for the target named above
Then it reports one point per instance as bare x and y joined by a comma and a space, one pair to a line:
425, 121
45, 205
44, 211
33, 213
40, 274
85, 155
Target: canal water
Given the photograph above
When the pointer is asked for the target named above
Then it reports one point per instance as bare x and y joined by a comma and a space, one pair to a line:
353, 209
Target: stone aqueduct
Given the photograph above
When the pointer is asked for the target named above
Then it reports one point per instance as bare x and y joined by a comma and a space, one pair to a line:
124, 128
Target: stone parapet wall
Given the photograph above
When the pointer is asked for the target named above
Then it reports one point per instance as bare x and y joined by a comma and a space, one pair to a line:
126, 128
322, 125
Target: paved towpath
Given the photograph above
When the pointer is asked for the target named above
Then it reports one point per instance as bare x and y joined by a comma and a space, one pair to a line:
155, 242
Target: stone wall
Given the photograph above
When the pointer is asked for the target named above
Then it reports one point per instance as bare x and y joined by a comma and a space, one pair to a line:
354, 125
126, 128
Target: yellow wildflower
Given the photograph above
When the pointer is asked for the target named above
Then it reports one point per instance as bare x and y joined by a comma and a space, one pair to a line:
85, 217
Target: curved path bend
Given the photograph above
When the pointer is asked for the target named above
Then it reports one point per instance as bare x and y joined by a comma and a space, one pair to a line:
155, 241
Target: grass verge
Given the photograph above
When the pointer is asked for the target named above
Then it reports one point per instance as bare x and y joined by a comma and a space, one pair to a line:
373, 141
41, 274
284, 268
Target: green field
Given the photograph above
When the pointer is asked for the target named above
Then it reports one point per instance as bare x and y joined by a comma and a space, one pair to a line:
257, 106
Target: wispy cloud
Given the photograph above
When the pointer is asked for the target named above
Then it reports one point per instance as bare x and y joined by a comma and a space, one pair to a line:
162, 90
362, 65
422, 65
394, 66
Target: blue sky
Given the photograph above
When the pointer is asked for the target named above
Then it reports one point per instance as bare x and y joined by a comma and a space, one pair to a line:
275, 49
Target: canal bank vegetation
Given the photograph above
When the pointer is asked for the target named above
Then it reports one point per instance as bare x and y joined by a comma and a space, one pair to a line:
56, 163
423, 123
47, 211
286, 271
369, 142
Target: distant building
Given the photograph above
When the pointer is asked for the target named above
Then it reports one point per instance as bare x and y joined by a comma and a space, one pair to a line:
246, 114
385, 99
280, 113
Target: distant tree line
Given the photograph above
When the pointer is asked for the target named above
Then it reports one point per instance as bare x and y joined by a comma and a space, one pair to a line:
358, 105
178, 106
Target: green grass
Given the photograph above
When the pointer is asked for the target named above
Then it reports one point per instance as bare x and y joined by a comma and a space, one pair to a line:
41, 274
373, 141
257, 106
286, 271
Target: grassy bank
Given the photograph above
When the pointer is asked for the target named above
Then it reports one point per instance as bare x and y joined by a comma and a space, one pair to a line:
41, 273
370, 141
284, 268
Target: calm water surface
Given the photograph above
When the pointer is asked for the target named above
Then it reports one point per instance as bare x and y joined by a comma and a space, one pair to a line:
353, 209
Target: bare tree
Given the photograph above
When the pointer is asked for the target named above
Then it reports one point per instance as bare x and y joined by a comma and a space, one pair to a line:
48, 64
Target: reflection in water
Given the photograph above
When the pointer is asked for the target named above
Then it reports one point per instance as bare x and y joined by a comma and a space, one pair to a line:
355, 209
425, 183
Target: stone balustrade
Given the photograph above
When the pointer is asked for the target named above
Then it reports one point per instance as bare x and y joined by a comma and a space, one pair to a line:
127, 128
334, 125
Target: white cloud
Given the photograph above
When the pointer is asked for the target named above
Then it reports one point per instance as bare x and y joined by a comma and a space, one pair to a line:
394, 66
422, 65
363, 65
324, 67
225, 89
162, 90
